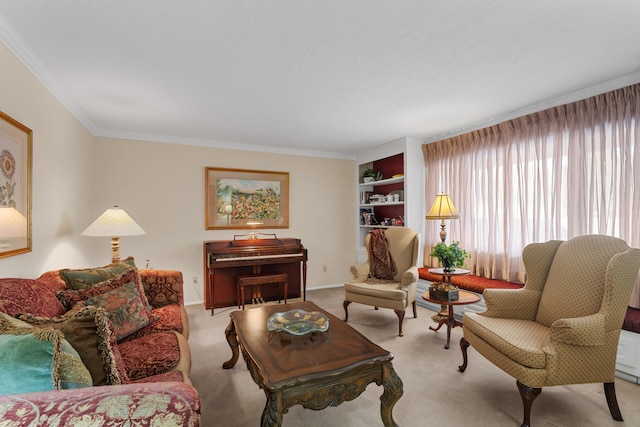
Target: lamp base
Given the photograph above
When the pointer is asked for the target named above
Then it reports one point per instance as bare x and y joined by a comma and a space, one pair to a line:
443, 231
115, 249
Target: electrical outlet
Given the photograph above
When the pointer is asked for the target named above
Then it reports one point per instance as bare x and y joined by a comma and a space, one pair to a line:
324, 268
195, 280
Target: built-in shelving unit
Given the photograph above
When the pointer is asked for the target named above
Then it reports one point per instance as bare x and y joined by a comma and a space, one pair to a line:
384, 202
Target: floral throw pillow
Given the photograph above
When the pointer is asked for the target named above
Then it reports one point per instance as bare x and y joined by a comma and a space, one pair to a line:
69, 297
125, 308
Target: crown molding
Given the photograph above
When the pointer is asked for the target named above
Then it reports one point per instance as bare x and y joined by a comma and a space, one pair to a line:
16, 45
220, 144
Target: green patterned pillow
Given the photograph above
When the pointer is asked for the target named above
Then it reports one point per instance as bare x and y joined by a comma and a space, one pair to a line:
126, 309
90, 332
80, 280
37, 359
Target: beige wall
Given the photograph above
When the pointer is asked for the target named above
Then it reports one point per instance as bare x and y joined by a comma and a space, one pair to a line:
77, 176
162, 187
61, 172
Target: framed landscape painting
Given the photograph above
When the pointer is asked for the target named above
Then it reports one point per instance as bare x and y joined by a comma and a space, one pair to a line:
15, 187
240, 198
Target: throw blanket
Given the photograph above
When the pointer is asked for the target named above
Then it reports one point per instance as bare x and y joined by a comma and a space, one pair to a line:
381, 266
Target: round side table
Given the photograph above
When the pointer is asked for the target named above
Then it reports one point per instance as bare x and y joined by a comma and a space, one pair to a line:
464, 297
446, 278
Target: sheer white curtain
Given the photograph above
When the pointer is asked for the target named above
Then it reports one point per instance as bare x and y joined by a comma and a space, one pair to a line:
556, 174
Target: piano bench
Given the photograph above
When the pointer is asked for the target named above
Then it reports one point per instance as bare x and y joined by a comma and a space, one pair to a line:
262, 279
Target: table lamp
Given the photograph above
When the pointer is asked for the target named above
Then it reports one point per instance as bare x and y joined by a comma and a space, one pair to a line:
253, 225
114, 222
12, 225
442, 209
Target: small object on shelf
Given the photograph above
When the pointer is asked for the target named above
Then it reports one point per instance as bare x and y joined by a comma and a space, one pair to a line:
398, 175
399, 194
371, 219
377, 198
368, 175
443, 291
298, 322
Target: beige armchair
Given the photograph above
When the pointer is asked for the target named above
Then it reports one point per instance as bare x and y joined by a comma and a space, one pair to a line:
563, 326
397, 293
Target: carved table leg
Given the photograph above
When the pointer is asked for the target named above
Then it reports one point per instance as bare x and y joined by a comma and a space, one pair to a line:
272, 414
232, 339
464, 344
392, 392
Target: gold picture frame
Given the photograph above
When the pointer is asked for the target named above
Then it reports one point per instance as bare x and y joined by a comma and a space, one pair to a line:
242, 198
15, 186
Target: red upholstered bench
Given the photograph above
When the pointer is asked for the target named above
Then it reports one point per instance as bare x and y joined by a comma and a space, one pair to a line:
632, 320
470, 282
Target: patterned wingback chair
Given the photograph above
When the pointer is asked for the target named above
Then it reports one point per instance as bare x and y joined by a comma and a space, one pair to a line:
563, 326
397, 293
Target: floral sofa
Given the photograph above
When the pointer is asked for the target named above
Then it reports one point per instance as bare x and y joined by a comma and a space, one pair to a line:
100, 347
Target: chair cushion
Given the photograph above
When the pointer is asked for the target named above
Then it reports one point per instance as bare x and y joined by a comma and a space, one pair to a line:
155, 354
169, 318
173, 376
389, 291
520, 340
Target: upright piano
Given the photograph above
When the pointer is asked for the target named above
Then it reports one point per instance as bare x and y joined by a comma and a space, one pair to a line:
225, 260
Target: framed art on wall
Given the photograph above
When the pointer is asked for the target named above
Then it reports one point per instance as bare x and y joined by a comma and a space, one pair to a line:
240, 198
15, 187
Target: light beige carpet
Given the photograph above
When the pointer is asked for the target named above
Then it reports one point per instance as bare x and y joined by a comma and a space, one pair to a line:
435, 393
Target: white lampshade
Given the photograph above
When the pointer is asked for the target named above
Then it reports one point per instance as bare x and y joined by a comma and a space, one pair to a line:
12, 223
114, 222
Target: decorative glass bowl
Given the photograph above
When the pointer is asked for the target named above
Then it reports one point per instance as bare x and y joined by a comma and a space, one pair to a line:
298, 322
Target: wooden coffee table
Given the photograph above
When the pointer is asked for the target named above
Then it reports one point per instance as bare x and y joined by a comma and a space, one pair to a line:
316, 370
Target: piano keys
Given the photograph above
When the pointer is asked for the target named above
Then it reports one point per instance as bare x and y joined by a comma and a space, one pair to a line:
225, 260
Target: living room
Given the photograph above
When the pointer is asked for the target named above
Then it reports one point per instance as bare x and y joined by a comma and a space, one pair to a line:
78, 172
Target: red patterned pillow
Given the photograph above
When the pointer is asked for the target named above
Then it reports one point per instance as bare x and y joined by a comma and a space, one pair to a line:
125, 308
28, 296
69, 297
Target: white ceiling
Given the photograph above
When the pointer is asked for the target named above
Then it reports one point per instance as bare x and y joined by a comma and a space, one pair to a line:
321, 77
